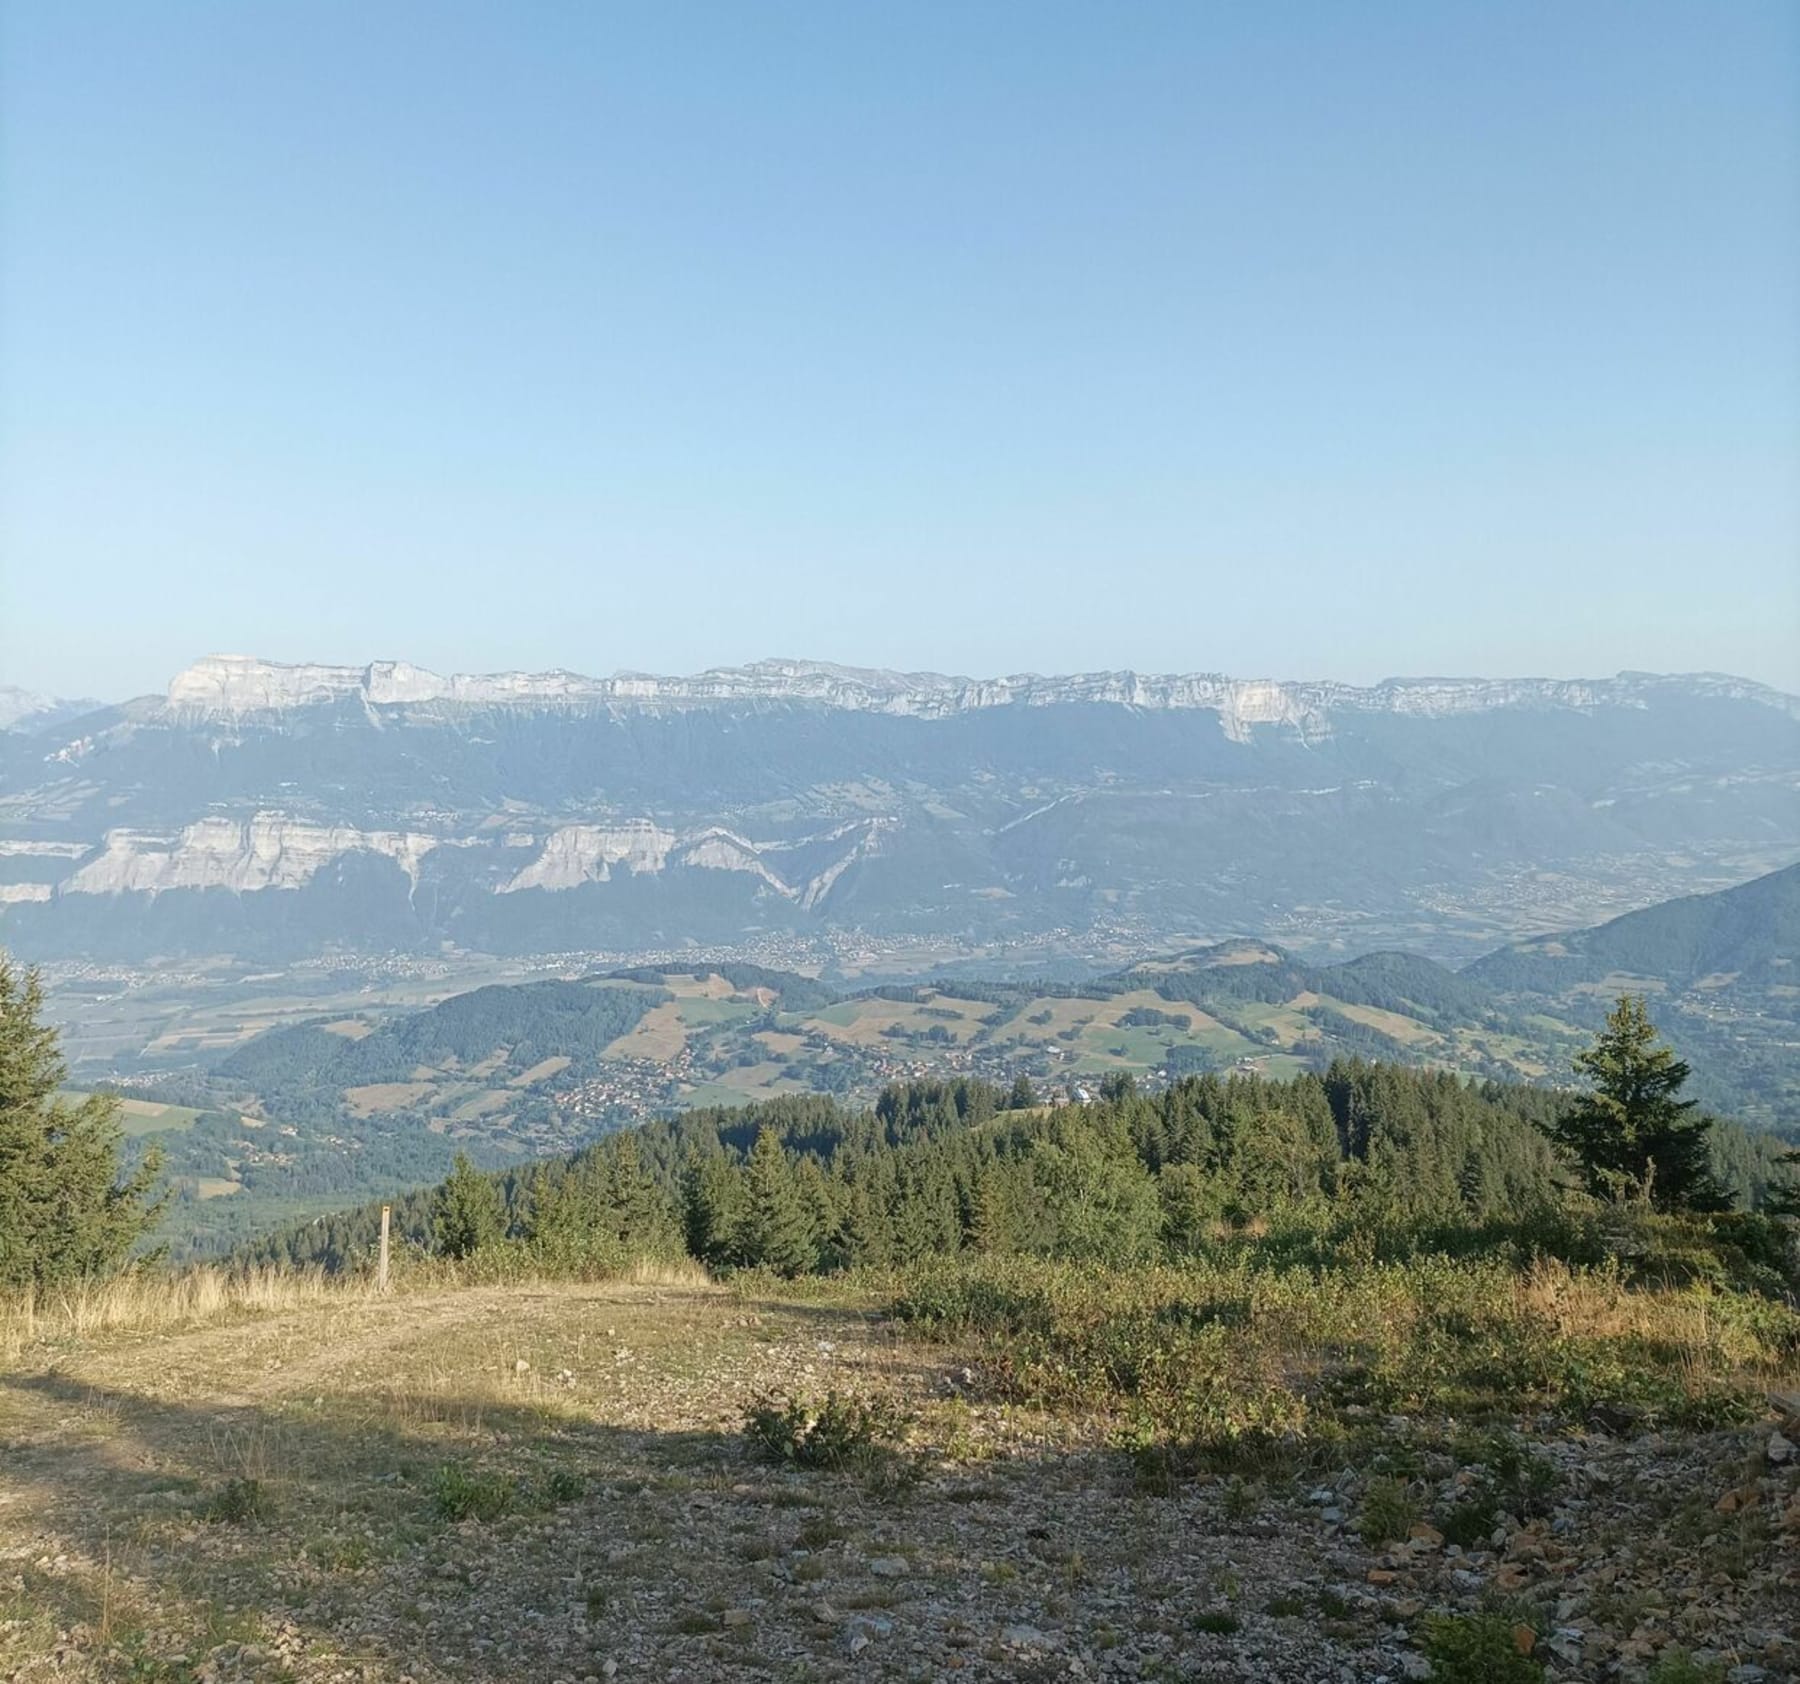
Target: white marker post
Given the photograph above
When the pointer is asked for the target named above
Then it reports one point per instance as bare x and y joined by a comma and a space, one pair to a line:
381, 1274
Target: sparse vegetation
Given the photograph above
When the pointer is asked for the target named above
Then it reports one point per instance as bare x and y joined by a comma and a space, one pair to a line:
837, 1432
238, 1501
462, 1493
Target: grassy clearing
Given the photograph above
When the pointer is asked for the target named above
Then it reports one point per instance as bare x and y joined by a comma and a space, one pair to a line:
157, 1302
658, 1036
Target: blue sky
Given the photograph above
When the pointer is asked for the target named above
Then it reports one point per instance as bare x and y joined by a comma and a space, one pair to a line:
1302, 340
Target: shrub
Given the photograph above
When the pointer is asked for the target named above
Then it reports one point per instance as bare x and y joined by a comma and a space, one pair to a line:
841, 1431
1389, 1510
1477, 1649
1218, 1624
462, 1495
1241, 1500
1470, 1521
564, 1486
239, 1501
1511, 1478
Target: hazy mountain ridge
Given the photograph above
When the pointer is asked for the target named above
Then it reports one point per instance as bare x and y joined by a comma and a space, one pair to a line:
26, 710
281, 812
230, 686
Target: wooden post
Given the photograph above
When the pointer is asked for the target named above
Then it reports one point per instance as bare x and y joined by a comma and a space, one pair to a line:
381, 1276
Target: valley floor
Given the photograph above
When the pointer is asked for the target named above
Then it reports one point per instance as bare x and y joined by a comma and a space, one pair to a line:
267, 1498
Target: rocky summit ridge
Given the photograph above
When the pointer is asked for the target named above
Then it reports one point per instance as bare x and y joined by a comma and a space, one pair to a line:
238, 685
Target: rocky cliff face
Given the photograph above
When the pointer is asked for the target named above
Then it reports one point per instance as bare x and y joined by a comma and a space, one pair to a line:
285, 810
266, 851
230, 686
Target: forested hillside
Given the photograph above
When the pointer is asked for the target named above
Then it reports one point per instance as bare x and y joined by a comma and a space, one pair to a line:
934, 1168
1748, 933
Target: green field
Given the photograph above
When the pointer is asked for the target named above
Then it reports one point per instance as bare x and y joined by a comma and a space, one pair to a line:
144, 1116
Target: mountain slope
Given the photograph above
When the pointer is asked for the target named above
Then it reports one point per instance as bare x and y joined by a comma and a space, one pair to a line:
26, 710
1723, 974
1750, 932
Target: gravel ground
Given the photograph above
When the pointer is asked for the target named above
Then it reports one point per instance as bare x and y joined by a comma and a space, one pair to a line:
268, 1500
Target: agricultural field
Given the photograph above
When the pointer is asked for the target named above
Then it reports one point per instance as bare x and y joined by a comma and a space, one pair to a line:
138, 1117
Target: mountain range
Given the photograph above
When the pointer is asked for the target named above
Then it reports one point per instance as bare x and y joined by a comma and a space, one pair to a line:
277, 812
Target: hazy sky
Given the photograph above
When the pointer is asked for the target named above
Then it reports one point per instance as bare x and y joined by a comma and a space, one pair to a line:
1305, 340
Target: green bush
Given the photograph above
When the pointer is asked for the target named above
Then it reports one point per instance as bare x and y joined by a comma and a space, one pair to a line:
1477, 1649
460, 1494
563, 1485
1389, 1511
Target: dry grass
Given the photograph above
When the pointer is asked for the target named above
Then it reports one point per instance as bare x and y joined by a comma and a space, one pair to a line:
156, 1301
153, 1301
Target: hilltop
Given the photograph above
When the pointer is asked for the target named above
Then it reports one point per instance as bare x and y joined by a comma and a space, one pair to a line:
545, 1481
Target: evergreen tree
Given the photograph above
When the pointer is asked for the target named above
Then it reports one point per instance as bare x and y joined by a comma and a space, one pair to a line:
469, 1215
637, 1216
1782, 1197
868, 1229
1630, 1137
712, 1207
778, 1228
1023, 1096
65, 1213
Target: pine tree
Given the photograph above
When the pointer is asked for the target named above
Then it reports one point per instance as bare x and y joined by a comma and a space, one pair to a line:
1023, 1096
469, 1214
868, 1229
563, 1220
712, 1208
1782, 1198
1630, 1137
65, 1214
778, 1230
639, 1219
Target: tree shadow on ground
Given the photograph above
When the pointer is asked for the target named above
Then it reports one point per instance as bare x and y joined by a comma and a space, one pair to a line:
505, 1534
370, 1533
